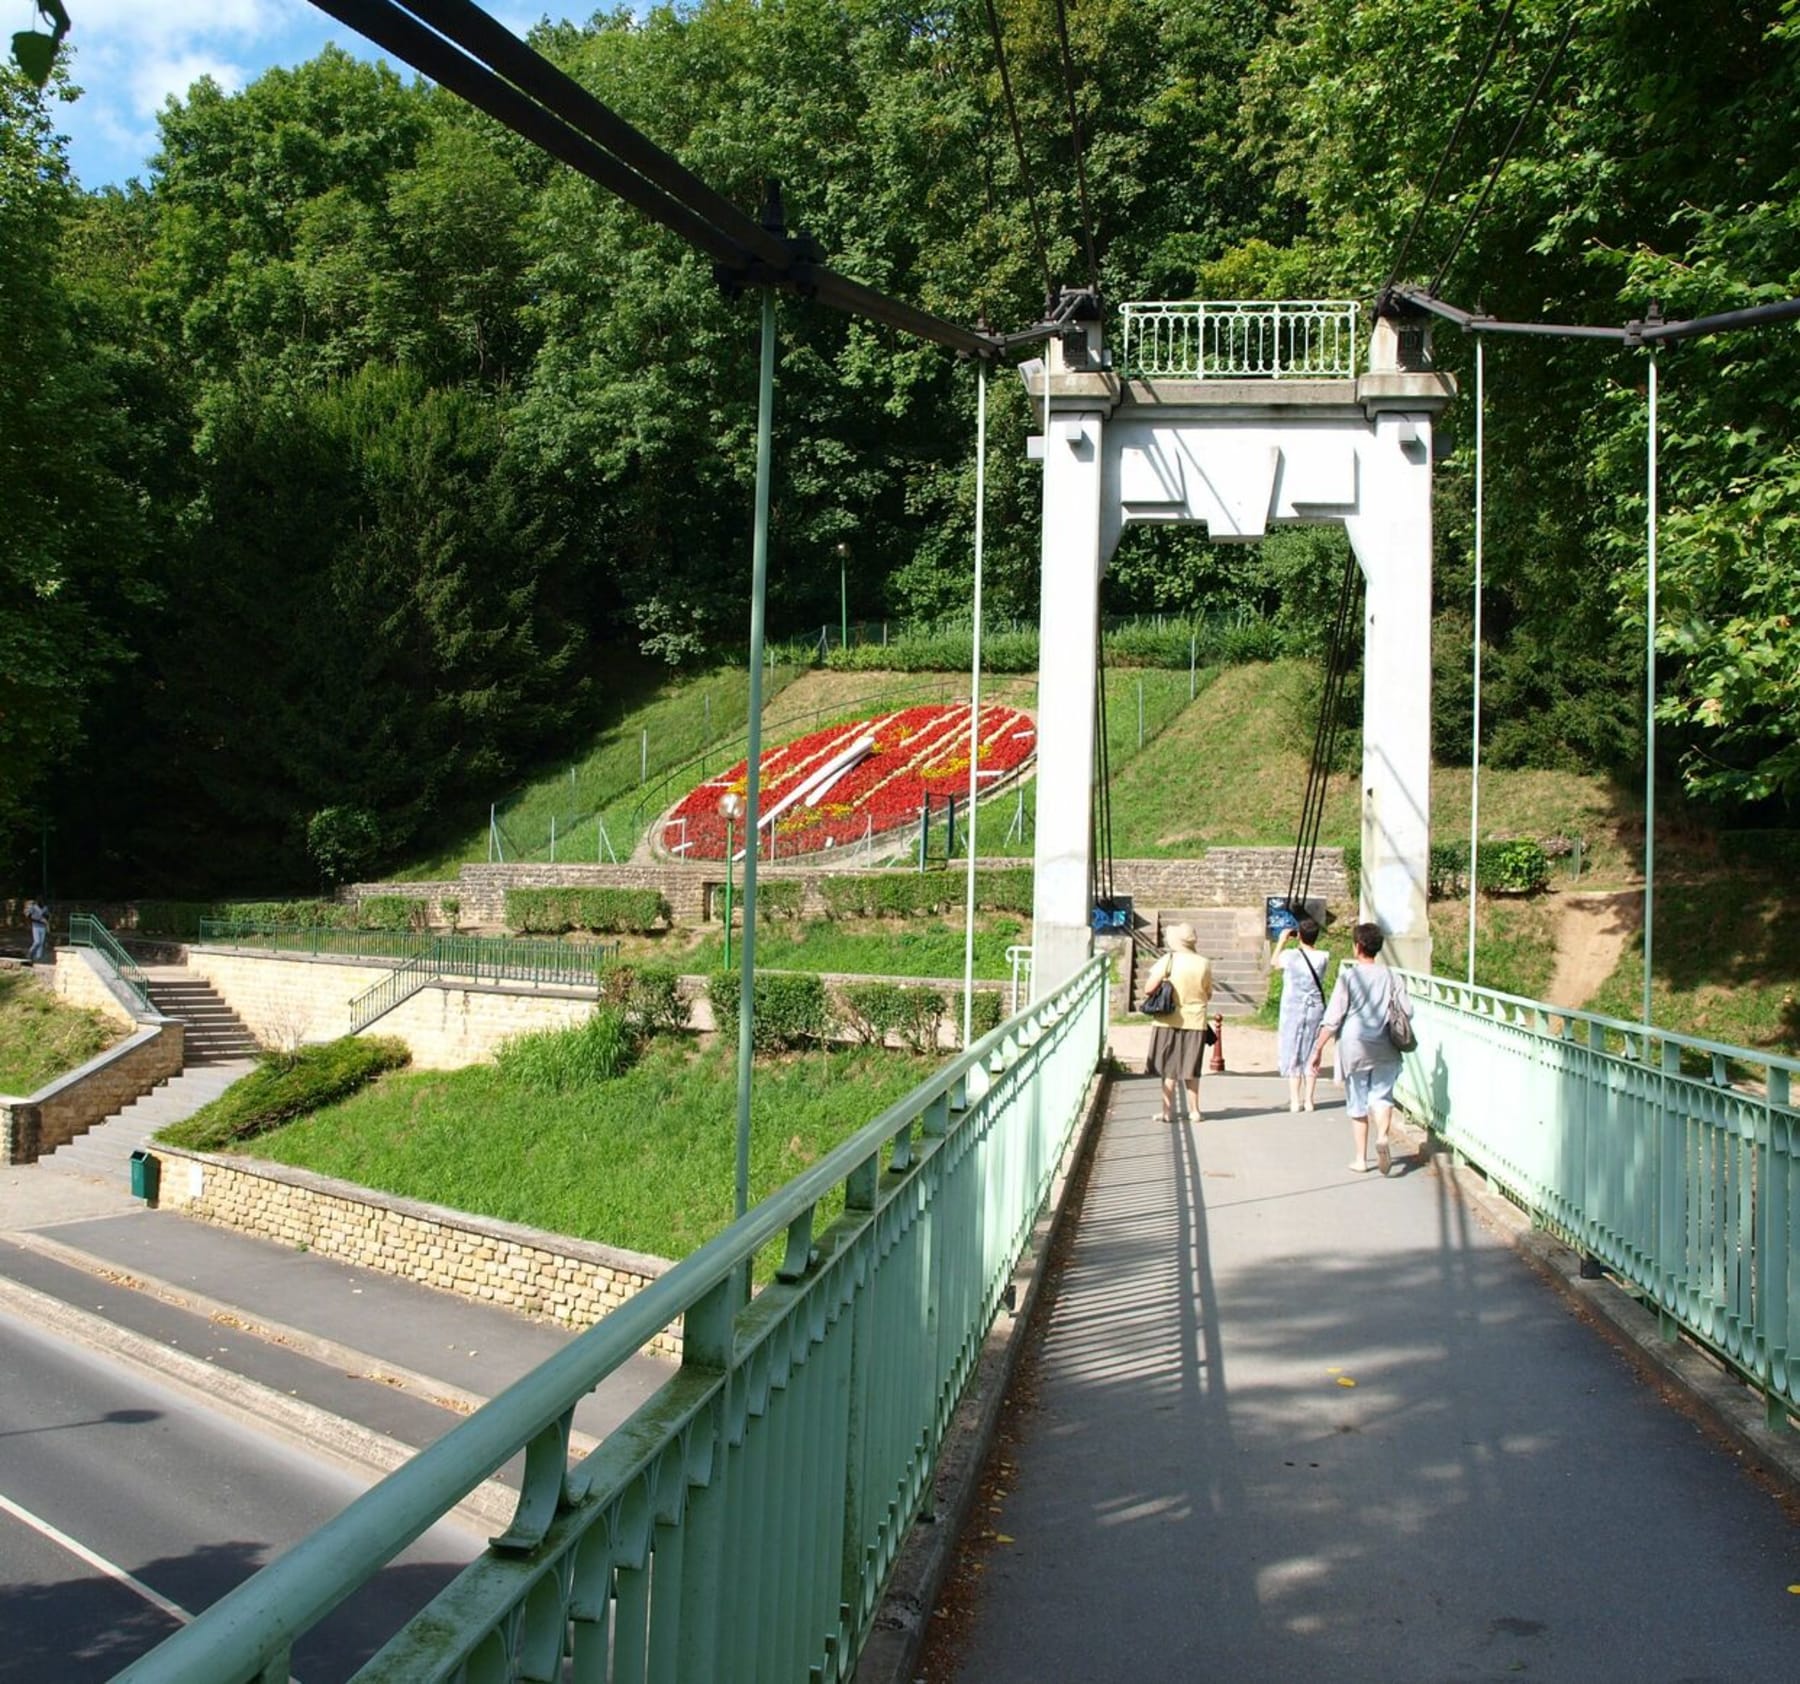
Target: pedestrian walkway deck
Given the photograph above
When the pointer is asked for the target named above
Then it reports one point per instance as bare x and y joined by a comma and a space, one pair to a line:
1280, 1422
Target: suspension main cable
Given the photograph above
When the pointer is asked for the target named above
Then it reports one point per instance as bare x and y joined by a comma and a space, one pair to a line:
1012, 118
1312, 808
1506, 153
1081, 186
1437, 175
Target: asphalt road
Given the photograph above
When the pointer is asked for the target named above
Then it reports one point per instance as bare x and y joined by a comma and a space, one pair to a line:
126, 1502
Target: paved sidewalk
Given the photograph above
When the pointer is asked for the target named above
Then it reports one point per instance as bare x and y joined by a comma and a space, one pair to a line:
1287, 1423
349, 1344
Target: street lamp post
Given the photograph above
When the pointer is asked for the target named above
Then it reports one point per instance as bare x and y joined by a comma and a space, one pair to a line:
843, 596
731, 804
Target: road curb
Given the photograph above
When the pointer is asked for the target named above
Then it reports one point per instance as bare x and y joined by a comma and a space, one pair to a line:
320, 1347
487, 1508
891, 1654
1712, 1392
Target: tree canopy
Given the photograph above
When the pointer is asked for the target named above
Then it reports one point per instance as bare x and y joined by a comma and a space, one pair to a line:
335, 453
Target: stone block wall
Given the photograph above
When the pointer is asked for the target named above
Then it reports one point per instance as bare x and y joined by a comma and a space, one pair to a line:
79, 979
1232, 877
572, 1282
73, 1104
449, 1027
1220, 877
287, 998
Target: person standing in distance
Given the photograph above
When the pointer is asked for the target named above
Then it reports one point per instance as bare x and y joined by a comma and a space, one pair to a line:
37, 915
1302, 1009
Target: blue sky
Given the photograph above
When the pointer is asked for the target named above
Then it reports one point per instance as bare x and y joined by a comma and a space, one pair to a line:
131, 55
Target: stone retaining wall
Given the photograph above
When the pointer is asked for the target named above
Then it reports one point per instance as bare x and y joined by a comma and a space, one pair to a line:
572, 1282
1219, 877
54, 1115
287, 998
80, 979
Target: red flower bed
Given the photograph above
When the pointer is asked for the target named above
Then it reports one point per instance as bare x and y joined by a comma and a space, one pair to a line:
919, 753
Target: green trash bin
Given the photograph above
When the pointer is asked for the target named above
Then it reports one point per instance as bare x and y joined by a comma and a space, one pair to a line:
146, 1173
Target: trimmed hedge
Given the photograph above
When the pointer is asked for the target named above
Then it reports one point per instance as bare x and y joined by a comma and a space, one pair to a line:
790, 1008
780, 897
985, 1011
290, 914
552, 912
905, 894
282, 1089
875, 1010
179, 919
392, 912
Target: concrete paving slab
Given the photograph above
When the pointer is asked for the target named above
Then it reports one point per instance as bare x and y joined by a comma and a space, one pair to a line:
1289, 1423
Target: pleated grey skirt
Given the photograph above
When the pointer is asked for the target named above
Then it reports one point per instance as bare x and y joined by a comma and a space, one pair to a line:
1176, 1052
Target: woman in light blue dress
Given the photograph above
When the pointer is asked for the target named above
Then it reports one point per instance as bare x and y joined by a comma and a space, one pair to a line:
1302, 1009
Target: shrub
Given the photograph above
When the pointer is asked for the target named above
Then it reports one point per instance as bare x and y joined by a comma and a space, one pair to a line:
392, 912
790, 1008
281, 1089
985, 1012
1512, 868
648, 995
177, 918
342, 841
780, 897
562, 1060
1447, 872
905, 894
602, 911
451, 907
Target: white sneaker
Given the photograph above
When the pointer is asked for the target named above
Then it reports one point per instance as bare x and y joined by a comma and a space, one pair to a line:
1357, 1167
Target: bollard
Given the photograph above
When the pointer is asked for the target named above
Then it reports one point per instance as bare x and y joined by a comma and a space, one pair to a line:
1217, 1067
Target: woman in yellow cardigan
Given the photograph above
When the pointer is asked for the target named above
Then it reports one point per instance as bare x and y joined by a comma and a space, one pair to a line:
1178, 1043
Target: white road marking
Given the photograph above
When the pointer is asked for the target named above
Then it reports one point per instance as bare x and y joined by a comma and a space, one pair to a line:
98, 1562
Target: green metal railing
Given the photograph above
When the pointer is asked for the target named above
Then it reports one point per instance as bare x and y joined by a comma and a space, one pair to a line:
88, 931
482, 959
743, 1522
1673, 1161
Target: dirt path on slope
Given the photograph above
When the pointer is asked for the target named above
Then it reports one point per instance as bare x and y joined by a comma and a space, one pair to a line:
1591, 933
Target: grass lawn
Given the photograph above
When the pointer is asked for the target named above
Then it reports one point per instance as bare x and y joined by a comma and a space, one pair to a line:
644, 1161
1515, 941
1726, 967
42, 1038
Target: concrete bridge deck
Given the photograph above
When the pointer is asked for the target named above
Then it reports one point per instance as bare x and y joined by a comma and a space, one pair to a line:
1280, 1422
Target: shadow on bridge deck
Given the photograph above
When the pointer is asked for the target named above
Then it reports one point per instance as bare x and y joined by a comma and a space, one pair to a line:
1276, 1421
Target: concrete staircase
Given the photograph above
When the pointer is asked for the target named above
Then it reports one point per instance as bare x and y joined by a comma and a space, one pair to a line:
1232, 937
104, 1152
213, 1032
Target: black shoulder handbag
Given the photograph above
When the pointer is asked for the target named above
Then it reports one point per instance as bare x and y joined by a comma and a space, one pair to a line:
1160, 999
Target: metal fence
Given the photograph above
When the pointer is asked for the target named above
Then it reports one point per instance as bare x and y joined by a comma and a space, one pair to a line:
743, 1522
1197, 339
1673, 1161
87, 931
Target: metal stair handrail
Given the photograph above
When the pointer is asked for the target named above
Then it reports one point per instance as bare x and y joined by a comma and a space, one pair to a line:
85, 930
482, 959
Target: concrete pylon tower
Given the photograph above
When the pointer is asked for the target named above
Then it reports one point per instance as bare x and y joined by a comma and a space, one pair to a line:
1238, 451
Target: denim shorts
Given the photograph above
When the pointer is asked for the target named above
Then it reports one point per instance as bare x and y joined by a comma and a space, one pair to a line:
1363, 1088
